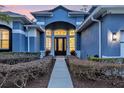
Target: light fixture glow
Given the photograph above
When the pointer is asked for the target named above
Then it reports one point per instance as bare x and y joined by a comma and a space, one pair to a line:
114, 37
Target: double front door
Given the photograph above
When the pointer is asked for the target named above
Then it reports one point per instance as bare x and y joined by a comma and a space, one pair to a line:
60, 45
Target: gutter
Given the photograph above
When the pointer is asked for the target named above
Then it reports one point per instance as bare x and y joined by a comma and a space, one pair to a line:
88, 18
36, 26
100, 30
28, 42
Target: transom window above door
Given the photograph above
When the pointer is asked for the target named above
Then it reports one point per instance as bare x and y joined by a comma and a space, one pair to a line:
60, 32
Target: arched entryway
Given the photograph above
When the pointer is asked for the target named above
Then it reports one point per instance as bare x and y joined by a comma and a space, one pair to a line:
5, 38
60, 38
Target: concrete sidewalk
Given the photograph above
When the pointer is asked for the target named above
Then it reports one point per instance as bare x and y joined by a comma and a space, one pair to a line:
60, 77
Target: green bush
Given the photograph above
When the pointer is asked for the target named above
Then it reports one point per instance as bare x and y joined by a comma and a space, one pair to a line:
106, 60
47, 52
19, 74
17, 57
73, 53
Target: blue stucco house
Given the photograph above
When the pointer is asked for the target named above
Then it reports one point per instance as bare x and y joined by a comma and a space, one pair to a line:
102, 32
98, 32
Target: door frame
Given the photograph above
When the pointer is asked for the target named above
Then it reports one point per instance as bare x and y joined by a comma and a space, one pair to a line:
63, 53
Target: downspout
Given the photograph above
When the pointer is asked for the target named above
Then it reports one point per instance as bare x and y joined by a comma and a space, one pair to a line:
28, 39
100, 31
28, 43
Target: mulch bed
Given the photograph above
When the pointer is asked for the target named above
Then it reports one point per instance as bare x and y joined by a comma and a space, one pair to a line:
41, 82
33, 74
98, 83
95, 84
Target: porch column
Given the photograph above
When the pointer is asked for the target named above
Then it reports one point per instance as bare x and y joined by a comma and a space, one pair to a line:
28, 41
52, 45
68, 49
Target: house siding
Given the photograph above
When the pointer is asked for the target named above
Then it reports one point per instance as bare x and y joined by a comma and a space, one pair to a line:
42, 43
59, 15
89, 41
18, 42
111, 23
32, 41
78, 41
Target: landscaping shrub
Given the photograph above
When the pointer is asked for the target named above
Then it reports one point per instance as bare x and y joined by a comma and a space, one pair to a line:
19, 74
106, 60
47, 52
73, 53
90, 70
17, 57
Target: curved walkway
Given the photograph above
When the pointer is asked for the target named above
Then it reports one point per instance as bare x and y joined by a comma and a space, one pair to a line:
60, 77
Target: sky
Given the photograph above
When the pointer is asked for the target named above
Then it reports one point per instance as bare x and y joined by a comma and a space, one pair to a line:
26, 9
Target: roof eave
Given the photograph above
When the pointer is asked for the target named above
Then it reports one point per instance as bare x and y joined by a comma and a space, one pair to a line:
96, 12
88, 20
74, 14
24, 18
36, 26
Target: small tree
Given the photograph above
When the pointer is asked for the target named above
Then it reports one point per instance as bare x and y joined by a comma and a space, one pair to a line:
4, 17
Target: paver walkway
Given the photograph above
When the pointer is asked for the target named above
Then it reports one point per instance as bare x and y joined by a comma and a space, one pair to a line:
60, 77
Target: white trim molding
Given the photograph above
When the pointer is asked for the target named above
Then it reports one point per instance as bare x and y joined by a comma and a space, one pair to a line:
18, 31
78, 52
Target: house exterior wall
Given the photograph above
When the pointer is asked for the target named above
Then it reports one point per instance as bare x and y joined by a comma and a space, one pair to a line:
111, 23
34, 40
42, 41
18, 36
59, 15
18, 42
89, 41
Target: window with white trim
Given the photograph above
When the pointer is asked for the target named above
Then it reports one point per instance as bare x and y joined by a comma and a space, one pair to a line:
48, 39
72, 40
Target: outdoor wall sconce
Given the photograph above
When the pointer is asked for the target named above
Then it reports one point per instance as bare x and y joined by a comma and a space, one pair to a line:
114, 37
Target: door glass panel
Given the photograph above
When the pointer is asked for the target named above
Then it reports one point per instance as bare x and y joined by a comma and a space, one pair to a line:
60, 46
60, 43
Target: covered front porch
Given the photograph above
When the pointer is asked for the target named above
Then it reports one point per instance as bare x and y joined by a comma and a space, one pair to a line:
60, 38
